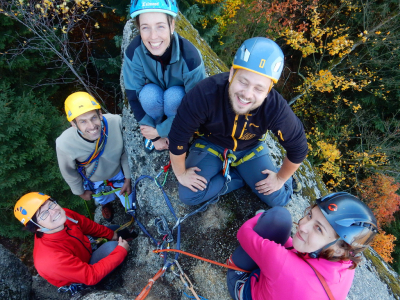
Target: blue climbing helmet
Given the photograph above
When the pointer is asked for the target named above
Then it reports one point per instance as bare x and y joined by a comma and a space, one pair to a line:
349, 217
138, 7
262, 56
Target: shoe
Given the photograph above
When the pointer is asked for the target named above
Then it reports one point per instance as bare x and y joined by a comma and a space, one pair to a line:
107, 212
296, 184
127, 235
148, 145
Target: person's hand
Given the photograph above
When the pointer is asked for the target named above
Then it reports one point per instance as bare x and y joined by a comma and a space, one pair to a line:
148, 132
87, 195
161, 144
123, 243
115, 237
191, 180
126, 188
270, 184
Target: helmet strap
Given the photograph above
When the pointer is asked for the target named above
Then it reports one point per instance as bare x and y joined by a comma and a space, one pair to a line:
316, 253
42, 229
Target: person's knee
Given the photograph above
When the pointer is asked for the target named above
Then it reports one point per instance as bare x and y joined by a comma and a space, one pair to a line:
278, 198
277, 216
151, 94
280, 214
188, 197
215, 186
172, 99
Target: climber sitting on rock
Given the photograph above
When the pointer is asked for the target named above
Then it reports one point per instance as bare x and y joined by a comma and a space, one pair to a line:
159, 68
317, 263
232, 111
62, 252
91, 154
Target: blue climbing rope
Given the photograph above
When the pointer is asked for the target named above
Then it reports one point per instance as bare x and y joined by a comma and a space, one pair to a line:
132, 212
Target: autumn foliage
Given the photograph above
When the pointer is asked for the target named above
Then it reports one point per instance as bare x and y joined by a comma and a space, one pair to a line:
384, 245
379, 193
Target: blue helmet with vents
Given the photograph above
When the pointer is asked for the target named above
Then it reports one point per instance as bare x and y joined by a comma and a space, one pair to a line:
352, 220
138, 7
262, 56
349, 217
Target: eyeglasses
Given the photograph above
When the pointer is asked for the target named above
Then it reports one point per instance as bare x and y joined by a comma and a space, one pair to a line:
43, 215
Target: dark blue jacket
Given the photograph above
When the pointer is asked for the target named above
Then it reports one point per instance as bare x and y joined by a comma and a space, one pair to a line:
206, 107
186, 68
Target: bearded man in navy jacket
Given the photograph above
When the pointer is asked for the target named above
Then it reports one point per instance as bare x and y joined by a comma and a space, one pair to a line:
232, 111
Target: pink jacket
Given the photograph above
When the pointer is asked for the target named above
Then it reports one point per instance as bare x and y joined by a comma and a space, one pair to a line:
286, 276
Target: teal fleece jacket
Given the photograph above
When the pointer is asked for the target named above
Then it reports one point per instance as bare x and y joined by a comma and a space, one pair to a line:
186, 68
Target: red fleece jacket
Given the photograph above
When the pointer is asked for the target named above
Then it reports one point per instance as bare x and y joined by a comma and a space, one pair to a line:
63, 257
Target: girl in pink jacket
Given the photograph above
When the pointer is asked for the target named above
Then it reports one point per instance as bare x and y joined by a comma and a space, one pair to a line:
329, 241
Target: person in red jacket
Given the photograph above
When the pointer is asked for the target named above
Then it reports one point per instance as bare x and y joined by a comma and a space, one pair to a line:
62, 251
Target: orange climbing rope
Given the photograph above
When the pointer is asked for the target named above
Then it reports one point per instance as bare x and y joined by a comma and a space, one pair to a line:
201, 258
143, 294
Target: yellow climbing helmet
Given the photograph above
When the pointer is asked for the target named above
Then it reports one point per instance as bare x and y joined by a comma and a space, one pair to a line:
79, 103
27, 206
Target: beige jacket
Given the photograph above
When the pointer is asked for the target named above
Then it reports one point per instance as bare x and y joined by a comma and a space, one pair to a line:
71, 146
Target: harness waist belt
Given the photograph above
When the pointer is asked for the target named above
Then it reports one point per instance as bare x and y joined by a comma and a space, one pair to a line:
233, 157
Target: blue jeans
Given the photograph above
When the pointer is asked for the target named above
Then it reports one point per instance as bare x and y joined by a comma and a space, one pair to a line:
275, 225
156, 102
105, 249
248, 172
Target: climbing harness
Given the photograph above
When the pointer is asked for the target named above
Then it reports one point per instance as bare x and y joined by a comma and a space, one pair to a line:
203, 259
72, 288
94, 156
231, 157
98, 241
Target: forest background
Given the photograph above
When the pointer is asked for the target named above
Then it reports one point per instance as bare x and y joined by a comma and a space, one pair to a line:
341, 78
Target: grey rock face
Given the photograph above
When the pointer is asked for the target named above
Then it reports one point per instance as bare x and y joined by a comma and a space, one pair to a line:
15, 280
210, 234
42, 290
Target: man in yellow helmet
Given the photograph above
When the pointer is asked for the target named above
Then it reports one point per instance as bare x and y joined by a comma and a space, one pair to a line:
91, 153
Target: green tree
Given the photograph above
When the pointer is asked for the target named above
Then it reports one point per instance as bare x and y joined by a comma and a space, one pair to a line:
29, 126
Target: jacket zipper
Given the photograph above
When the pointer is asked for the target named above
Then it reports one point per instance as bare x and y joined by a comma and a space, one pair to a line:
233, 133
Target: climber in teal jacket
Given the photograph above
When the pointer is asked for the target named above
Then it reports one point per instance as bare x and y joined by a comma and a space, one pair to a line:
159, 68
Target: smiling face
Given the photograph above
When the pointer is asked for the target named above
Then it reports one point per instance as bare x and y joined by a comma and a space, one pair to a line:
55, 218
314, 232
156, 32
247, 90
89, 124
